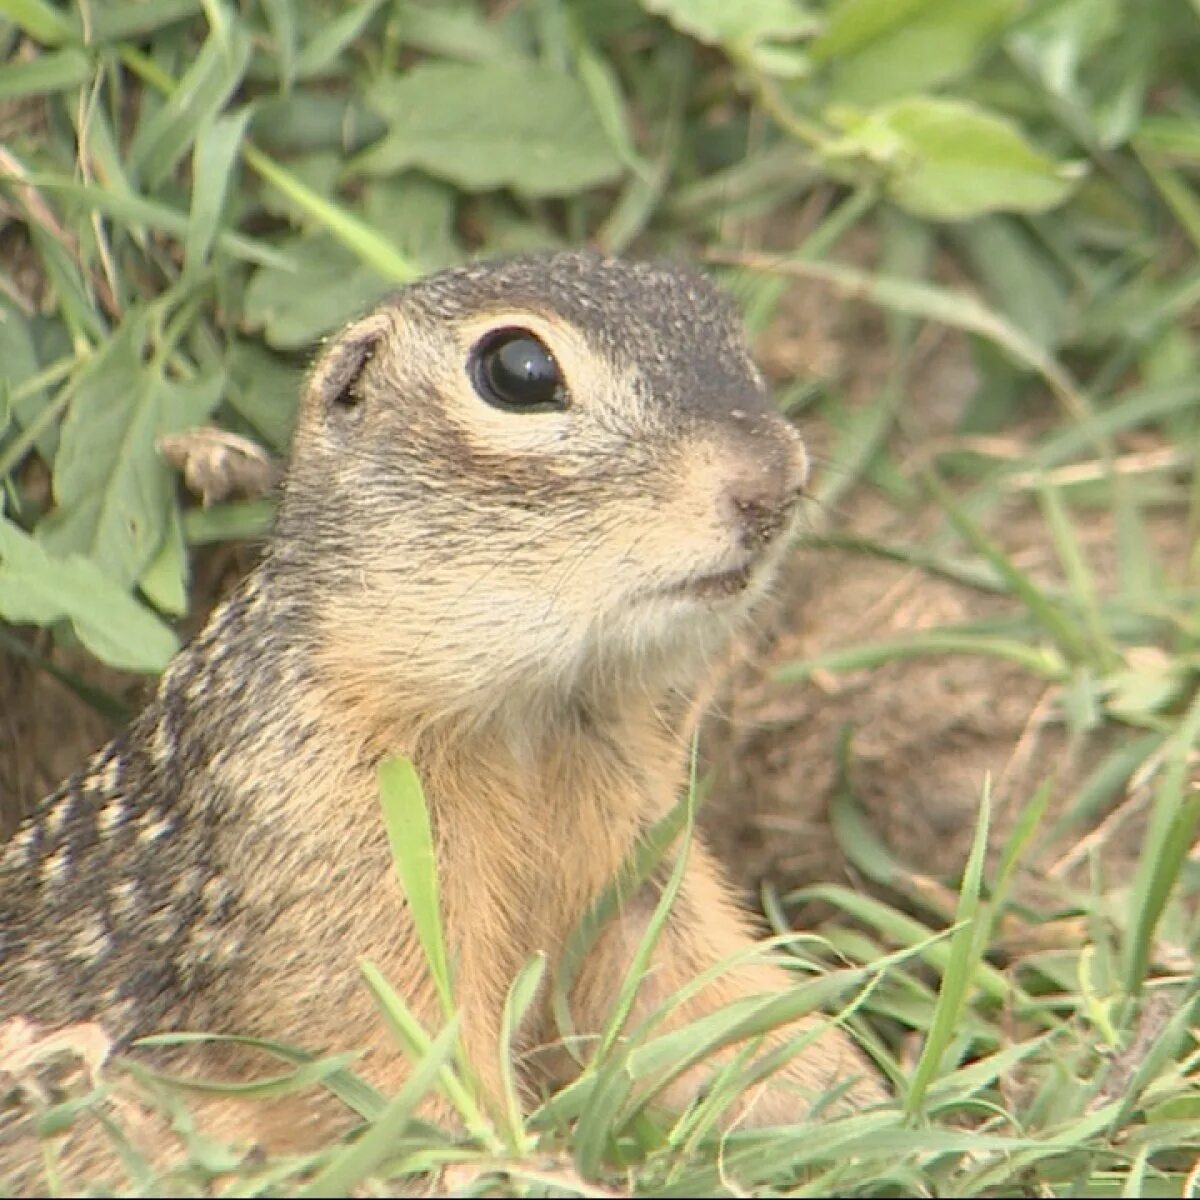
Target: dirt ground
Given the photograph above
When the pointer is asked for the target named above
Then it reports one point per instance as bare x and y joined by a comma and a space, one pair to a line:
927, 732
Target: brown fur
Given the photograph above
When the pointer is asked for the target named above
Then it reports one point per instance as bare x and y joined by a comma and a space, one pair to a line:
509, 599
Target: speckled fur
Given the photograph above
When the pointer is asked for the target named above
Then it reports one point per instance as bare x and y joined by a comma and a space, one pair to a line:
501, 596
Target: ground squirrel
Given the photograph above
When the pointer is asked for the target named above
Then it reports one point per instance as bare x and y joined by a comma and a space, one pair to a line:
528, 503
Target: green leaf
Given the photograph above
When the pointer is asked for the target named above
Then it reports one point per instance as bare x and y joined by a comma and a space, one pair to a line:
43, 22
1040, 660
418, 1046
948, 160
1149, 684
63, 273
1172, 828
600, 79
164, 582
457, 31
131, 209
307, 120
518, 1002
333, 36
351, 1164
1169, 137
736, 24
1024, 282
1050, 613
359, 238
411, 838
163, 138
248, 519
330, 287
264, 389
494, 124
133, 20
281, 21
36, 589
966, 949
880, 49
18, 362
1180, 198
112, 489
53, 72
348, 1087
213, 160
304, 1076
417, 215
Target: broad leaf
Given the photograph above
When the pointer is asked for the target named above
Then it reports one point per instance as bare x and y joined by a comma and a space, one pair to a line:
36, 589
490, 125
265, 389
331, 287
948, 160
880, 49
417, 214
165, 581
761, 31
735, 23
111, 487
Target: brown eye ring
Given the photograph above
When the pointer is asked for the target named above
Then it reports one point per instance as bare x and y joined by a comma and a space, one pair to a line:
511, 368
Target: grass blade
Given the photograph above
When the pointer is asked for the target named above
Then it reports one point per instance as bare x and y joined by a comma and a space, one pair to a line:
517, 1002
57, 71
374, 249
1043, 661
340, 1176
355, 1092
417, 1045
955, 309
200, 94
213, 158
1173, 822
43, 22
406, 818
966, 948
1044, 610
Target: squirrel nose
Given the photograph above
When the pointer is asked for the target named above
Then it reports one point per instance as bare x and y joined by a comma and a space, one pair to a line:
760, 509
763, 490
760, 518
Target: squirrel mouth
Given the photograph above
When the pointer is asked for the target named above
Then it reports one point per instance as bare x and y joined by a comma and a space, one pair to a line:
719, 585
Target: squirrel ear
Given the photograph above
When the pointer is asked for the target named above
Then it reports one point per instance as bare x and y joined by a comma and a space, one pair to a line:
335, 377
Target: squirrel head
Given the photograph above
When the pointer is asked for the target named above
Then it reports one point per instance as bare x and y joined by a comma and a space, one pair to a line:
527, 479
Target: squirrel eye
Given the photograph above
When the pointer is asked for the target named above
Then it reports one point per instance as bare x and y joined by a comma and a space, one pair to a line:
512, 369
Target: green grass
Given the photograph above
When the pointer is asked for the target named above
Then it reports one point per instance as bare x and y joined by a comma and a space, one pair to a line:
194, 194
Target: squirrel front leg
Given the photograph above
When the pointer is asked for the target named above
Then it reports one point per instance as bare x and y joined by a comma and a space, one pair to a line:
705, 928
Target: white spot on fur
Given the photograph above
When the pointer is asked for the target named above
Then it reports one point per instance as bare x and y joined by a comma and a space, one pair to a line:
162, 743
55, 818
57, 867
24, 841
153, 830
187, 883
109, 775
111, 815
124, 896
91, 942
